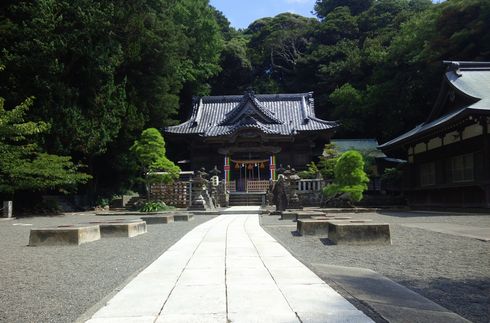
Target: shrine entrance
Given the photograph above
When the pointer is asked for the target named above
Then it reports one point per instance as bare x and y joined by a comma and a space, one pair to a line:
250, 174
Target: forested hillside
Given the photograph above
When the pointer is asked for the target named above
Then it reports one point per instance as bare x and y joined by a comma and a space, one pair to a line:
102, 71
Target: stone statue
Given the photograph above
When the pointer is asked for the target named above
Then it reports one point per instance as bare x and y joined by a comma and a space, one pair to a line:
280, 193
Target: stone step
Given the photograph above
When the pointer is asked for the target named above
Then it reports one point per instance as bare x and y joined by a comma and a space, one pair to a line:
246, 199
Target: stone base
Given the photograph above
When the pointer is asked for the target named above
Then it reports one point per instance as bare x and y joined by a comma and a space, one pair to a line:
126, 229
183, 217
197, 207
162, 219
64, 235
312, 227
275, 213
348, 233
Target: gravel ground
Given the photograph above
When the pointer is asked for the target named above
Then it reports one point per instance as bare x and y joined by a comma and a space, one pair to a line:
450, 270
58, 284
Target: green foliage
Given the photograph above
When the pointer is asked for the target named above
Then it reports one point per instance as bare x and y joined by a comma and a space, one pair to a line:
328, 160
324, 7
311, 171
154, 206
277, 47
102, 202
102, 71
350, 178
150, 152
391, 178
22, 165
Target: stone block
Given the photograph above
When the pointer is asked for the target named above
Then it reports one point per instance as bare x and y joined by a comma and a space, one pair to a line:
288, 215
312, 227
161, 219
124, 229
307, 214
322, 217
64, 235
348, 233
183, 217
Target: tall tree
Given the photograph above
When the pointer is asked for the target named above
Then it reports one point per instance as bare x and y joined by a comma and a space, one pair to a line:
23, 166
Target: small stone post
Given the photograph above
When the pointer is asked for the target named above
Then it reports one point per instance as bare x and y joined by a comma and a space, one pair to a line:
7, 209
215, 172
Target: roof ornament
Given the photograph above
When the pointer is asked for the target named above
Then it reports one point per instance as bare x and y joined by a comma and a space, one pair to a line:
453, 66
250, 92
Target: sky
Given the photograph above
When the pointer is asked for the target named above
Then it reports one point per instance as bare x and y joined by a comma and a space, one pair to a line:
242, 13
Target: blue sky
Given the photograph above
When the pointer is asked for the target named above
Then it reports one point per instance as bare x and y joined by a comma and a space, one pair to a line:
243, 12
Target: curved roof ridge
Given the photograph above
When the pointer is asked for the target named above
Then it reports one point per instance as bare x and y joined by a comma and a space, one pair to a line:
258, 108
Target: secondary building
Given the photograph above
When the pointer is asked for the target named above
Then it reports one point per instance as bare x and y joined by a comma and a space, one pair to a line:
448, 154
248, 136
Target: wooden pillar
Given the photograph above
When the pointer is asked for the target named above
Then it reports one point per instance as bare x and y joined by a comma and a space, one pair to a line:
486, 158
272, 167
227, 169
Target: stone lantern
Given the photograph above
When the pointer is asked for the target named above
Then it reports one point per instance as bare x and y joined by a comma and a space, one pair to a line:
294, 202
199, 187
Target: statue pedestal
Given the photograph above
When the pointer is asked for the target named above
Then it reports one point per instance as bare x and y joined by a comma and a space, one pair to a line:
198, 204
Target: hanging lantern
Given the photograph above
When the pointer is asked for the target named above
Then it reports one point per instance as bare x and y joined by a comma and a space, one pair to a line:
250, 167
237, 166
262, 166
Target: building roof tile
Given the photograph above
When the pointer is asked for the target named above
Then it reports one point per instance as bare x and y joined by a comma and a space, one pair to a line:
275, 114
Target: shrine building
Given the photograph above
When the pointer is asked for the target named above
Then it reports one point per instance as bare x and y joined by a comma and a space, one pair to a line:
248, 136
449, 153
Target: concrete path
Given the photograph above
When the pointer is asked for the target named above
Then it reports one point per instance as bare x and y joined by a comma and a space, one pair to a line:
228, 270
393, 302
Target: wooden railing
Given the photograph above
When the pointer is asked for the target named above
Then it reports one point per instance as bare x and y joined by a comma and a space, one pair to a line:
231, 186
257, 186
177, 194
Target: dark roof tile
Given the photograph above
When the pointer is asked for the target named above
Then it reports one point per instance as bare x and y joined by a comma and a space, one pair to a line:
279, 114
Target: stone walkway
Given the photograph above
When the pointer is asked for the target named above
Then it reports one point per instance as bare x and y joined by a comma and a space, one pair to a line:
228, 270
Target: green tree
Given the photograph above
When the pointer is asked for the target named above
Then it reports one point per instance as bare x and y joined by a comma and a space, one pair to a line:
350, 178
311, 171
150, 152
23, 166
328, 160
102, 71
277, 47
324, 7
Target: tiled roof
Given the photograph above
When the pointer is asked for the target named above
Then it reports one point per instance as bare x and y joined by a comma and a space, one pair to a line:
470, 78
276, 114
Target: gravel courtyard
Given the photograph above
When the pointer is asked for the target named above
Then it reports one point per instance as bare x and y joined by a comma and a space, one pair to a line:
450, 270
58, 284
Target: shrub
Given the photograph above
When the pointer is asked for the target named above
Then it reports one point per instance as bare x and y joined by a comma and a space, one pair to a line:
154, 206
102, 202
350, 179
310, 173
